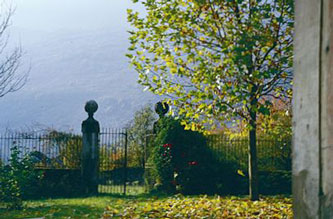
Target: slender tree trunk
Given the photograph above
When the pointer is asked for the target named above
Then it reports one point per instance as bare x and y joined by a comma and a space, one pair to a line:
253, 166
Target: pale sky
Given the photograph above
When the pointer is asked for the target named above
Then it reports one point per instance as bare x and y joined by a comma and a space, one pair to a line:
54, 15
76, 50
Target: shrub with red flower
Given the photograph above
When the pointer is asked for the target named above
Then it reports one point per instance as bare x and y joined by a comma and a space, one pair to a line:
163, 155
167, 150
183, 162
180, 158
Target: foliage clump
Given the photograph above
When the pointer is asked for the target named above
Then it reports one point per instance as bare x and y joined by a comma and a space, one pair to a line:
217, 60
18, 179
184, 163
139, 134
70, 148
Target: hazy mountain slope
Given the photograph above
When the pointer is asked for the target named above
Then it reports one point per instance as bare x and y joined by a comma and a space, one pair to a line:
68, 69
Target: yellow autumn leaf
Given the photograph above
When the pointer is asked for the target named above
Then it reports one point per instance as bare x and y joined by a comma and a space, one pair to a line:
240, 172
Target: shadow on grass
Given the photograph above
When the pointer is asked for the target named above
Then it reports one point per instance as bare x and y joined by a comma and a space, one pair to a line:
74, 207
53, 211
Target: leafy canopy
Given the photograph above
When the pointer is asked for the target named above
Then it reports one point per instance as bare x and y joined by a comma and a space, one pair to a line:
139, 134
276, 126
214, 60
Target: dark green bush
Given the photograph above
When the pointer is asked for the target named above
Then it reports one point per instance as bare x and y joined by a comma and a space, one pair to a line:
274, 182
271, 182
133, 174
182, 160
18, 180
60, 183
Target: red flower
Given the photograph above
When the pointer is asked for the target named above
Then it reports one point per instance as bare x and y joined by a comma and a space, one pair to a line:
167, 145
192, 163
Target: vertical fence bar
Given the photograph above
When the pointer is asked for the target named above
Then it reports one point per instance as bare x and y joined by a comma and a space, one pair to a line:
104, 165
9, 137
1, 150
7, 146
114, 152
121, 142
112, 165
106, 160
4, 148
125, 162
117, 152
118, 156
110, 142
108, 188
100, 162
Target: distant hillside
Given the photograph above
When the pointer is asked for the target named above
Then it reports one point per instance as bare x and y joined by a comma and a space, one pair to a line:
67, 69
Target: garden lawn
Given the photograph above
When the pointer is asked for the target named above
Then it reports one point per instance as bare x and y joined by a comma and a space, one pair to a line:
91, 207
153, 207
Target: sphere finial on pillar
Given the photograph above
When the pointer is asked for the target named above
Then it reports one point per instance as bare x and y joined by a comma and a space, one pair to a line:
91, 107
161, 108
90, 124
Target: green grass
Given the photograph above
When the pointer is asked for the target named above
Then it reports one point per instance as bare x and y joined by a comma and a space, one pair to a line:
91, 207
145, 206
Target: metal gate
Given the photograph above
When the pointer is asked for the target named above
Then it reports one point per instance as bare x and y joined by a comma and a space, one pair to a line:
119, 169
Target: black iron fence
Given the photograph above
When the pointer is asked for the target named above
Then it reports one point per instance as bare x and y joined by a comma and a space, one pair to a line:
122, 163
113, 160
48, 150
272, 154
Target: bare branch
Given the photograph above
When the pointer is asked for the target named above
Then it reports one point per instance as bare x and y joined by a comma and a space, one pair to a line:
10, 60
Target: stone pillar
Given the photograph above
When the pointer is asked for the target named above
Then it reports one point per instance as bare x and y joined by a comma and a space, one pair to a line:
313, 110
90, 150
